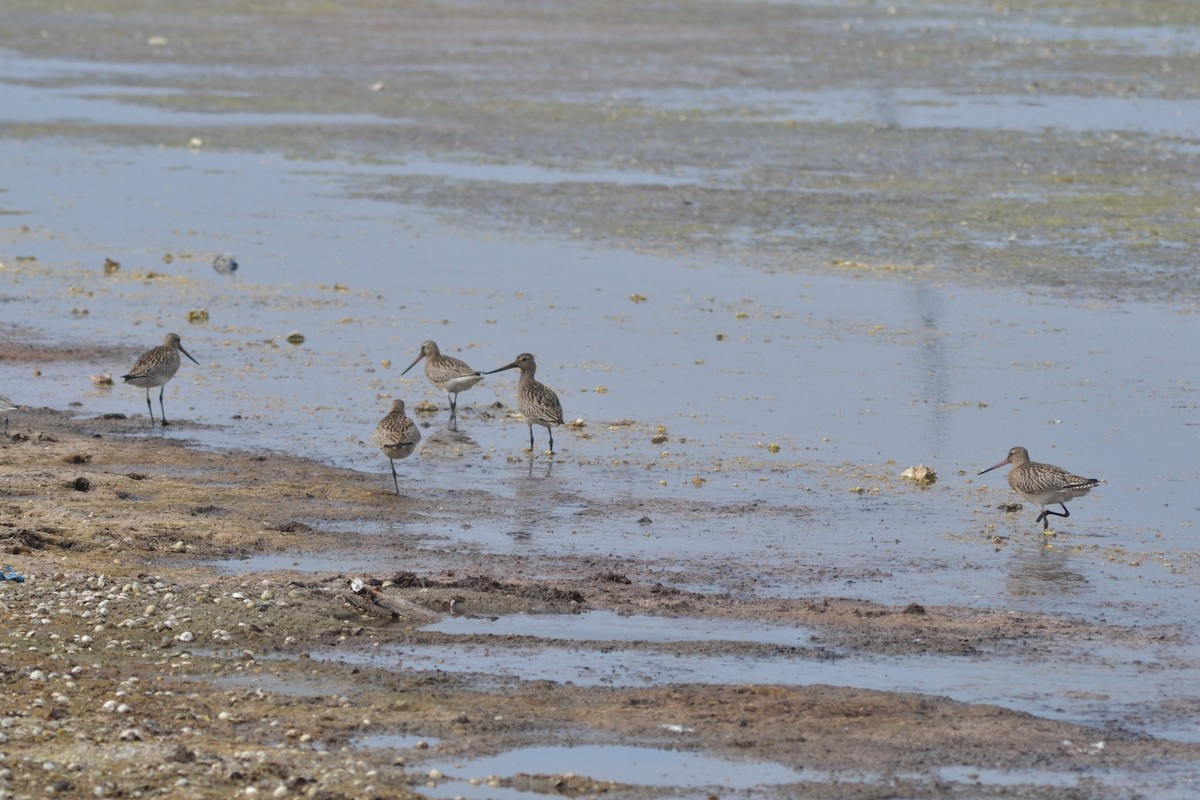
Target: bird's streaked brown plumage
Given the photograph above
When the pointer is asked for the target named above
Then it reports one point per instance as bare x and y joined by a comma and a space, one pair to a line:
6, 405
397, 436
155, 367
447, 373
536, 402
1043, 484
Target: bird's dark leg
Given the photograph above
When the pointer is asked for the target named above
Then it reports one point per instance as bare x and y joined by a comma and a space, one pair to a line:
531, 437
160, 404
1045, 518
395, 480
453, 410
551, 432
149, 405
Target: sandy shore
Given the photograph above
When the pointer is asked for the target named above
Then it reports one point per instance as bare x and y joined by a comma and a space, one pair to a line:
131, 667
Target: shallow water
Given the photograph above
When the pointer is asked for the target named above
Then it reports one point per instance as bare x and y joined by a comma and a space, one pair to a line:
690, 773
852, 377
600, 626
786, 389
1098, 685
642, 766
833, 370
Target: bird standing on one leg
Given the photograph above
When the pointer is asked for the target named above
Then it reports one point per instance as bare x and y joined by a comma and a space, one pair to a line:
446, 373
397, 436
1043, 484
6, 406
537, 403
157, 366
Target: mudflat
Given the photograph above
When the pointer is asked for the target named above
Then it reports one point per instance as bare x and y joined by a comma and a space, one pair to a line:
177, 633
132, 666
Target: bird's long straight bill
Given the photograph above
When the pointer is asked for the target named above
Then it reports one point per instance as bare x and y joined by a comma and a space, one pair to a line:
189, 355
992, 467
410, 366
501, 369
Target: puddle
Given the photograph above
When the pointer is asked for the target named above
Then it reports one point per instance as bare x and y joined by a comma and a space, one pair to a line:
110, 105
1168, 783
621, 764
396, 741
690, 773
530, 174
355, 563
607, 626
909, 109
1098, 687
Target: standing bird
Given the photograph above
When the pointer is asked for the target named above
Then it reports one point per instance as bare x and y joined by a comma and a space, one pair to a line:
1043, 484
397, 436
6, 406
157, 366
537, 404
225, 264
446, 373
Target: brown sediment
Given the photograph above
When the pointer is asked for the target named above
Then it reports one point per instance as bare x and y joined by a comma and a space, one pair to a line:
130, 663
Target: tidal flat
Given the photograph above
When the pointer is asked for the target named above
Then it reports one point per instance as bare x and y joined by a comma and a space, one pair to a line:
769, 255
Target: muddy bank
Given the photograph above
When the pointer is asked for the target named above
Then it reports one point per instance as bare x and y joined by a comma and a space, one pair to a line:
132, 666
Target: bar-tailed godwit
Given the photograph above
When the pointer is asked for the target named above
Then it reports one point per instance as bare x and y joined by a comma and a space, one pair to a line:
6, 406
1043, 484
157, 366
446, 373
537, 404
397, 436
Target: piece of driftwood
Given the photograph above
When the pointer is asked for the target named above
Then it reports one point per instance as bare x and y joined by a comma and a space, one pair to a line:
373, 601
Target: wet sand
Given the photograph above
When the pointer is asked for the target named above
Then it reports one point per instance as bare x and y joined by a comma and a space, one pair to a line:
133, 665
